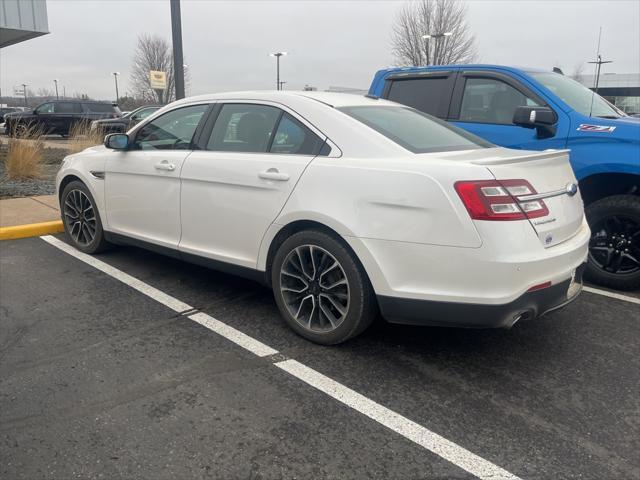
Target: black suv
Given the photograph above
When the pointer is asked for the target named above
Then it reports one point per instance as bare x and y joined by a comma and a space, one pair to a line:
58, 116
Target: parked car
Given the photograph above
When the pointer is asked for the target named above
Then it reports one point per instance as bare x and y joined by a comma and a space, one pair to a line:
126, 121
58, 116
343, 204
5, 110
539, 110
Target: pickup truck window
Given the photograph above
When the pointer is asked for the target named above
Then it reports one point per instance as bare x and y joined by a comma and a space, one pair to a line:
577, 96
414, 130
429, 94
487, 100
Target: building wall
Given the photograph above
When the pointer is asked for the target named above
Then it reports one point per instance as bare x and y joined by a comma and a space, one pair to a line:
21, 20
621, 89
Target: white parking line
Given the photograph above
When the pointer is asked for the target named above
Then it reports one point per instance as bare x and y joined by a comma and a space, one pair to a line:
236, 336
418, 434
148, 290
424, 437
617, 296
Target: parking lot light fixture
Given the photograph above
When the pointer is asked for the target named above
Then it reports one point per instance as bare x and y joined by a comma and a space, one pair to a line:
435, 37
278, 55
115, 77
55, 81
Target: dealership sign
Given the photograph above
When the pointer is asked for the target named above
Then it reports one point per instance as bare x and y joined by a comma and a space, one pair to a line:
158, 80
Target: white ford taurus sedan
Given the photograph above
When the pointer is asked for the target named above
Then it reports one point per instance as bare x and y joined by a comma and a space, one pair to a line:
344, 205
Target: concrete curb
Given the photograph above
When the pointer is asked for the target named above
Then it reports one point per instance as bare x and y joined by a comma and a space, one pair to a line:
31, 230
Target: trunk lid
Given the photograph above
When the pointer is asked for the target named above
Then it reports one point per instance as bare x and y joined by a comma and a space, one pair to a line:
550, 174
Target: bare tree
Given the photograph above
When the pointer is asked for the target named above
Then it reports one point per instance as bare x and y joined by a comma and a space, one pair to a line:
153, 53
578, 72
432, 17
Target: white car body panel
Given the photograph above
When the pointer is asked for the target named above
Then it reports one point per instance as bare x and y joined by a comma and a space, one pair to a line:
142, 198
245, 204
398, 211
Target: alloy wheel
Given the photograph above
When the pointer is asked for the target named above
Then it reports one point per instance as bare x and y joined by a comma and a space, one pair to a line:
80, 217
315, 288
615, 244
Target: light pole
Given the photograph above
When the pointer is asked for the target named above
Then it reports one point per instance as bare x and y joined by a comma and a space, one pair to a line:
278, 55
55, 81
436, 37
24, 91
115, 77
281, 84
599, 64
176, 38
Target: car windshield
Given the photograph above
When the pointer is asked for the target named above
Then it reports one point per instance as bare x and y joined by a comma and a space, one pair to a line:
577, 96
414, 130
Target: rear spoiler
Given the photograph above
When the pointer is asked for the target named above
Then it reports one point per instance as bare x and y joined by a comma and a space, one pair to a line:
524, 158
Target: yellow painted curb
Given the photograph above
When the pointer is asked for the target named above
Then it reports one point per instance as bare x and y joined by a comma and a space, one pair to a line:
31, 230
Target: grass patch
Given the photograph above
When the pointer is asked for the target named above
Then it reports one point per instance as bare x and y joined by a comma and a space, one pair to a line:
81, 137
25, 155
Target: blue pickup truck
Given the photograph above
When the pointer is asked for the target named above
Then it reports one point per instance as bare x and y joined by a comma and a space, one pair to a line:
537, 110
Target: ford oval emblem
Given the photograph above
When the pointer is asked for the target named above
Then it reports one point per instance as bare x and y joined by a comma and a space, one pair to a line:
571, 189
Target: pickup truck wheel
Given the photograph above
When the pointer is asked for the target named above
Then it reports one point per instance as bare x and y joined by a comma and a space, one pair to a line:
614, 248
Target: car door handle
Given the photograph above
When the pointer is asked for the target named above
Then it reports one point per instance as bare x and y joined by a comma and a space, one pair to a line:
164, 165
274, 174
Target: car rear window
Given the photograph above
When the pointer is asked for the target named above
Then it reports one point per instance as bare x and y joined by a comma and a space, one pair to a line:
101, 108
414, 130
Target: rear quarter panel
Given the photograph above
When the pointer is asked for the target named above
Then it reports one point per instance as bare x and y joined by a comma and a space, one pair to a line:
413, 202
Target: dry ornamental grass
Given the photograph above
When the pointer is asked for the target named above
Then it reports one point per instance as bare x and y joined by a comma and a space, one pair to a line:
81, 137
25, 155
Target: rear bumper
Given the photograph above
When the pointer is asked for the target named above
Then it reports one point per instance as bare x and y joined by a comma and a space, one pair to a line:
528, 306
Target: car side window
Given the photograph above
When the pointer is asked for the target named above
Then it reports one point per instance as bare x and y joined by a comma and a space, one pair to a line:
142, 114
243, 127
487, 100
67, 107
172, 131
45, 108
429, 94
294, 138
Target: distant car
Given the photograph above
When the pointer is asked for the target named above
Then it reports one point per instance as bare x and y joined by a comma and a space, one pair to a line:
124, 123
58, 116
343, 204
5, 110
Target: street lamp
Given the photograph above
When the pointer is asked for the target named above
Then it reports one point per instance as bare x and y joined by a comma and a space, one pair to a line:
278, 55
436, 37
24, 91
55, 80
115, 77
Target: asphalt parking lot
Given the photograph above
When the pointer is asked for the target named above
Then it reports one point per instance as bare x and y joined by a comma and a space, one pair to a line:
102, 380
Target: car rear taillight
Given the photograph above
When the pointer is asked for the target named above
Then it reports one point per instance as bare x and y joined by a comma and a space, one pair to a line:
498, 200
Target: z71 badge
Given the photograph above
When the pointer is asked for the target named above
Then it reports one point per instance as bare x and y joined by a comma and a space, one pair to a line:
585, 127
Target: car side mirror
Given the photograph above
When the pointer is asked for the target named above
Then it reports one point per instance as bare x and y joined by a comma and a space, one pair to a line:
117, 141
543, 119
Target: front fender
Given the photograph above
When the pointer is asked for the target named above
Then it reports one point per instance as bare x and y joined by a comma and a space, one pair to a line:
80, 166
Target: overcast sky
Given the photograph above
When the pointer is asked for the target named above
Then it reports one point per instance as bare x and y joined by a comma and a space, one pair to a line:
339, 43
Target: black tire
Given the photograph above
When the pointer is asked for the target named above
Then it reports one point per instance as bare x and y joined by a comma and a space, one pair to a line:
88, 220
361, 307
615, 237
18, 130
